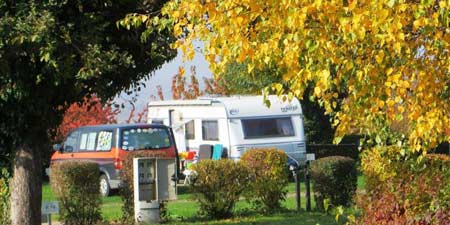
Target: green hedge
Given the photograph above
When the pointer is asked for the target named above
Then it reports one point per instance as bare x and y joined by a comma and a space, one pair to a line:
269, 177
76, 187
4, 197
218, 185
335, 181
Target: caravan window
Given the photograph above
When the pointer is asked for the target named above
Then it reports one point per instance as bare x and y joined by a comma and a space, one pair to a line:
190, 130
268, 127
210, 130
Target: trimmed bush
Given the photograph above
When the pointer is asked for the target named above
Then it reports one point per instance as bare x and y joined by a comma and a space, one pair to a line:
335, 181
4, 197
76, 187
218, 185
415, 193
126, 188
269, 177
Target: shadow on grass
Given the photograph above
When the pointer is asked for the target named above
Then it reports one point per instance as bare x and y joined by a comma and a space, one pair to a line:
181, 190
287, 217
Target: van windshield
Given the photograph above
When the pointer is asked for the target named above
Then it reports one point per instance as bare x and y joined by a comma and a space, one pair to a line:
145, 138
267, 127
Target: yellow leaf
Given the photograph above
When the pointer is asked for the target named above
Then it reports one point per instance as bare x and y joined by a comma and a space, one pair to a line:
317, 91
401, 109
181, 71
177, 30
397, 47
390, 102
325, 74
352, 4
250, 67
379, 57
190, 54
389, 71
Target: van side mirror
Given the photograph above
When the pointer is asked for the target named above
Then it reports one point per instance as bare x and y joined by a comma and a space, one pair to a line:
57, 147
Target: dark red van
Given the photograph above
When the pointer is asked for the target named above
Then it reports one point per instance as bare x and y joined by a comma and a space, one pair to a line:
108, 145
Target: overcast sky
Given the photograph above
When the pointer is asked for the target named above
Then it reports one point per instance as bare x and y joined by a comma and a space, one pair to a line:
163, 77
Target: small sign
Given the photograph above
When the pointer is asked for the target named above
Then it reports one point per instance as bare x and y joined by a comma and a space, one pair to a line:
50, 208
310, 157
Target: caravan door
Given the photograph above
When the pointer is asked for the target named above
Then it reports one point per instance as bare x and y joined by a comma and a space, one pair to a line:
178, 130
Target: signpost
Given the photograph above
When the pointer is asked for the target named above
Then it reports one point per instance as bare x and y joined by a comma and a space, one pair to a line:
49, 208
310, 157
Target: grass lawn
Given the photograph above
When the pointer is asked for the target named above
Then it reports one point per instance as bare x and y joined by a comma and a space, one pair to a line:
184, 210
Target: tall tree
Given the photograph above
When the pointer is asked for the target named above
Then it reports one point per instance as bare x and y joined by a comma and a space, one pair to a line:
52, 54
389, 58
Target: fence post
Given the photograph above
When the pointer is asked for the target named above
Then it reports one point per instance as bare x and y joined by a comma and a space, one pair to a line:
297, 189
308, 188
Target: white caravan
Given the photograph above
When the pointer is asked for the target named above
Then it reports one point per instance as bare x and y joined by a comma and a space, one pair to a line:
238, 123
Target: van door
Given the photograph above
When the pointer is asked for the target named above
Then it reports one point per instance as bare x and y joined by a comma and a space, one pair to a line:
69, 147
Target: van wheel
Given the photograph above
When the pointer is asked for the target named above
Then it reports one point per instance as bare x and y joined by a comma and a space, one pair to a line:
104, 186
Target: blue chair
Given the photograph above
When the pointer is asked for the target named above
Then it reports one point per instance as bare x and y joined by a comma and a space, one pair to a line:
217, 152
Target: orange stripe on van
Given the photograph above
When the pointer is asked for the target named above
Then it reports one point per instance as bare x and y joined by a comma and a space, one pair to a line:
115, 154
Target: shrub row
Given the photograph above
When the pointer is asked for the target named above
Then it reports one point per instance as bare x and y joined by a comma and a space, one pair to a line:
76, 187
416, 193
260, 176
4, 196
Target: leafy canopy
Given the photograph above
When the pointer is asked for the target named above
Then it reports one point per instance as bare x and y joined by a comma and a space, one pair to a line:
54, 53
388, 59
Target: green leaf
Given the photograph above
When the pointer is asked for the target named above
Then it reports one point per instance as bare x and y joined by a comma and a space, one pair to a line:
378, 139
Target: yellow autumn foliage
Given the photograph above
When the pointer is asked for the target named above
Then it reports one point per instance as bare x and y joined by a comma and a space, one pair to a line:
379, 67
390, 59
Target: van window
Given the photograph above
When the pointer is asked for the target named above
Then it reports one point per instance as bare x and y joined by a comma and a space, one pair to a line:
190, 130
70, 144
90, 146
210, 130
104, 141
145, 138
268, 127
83, 141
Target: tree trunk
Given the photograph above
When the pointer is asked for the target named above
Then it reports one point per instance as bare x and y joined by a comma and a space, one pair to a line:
26, 187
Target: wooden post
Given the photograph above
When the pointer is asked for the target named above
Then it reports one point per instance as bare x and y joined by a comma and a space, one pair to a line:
308, 188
